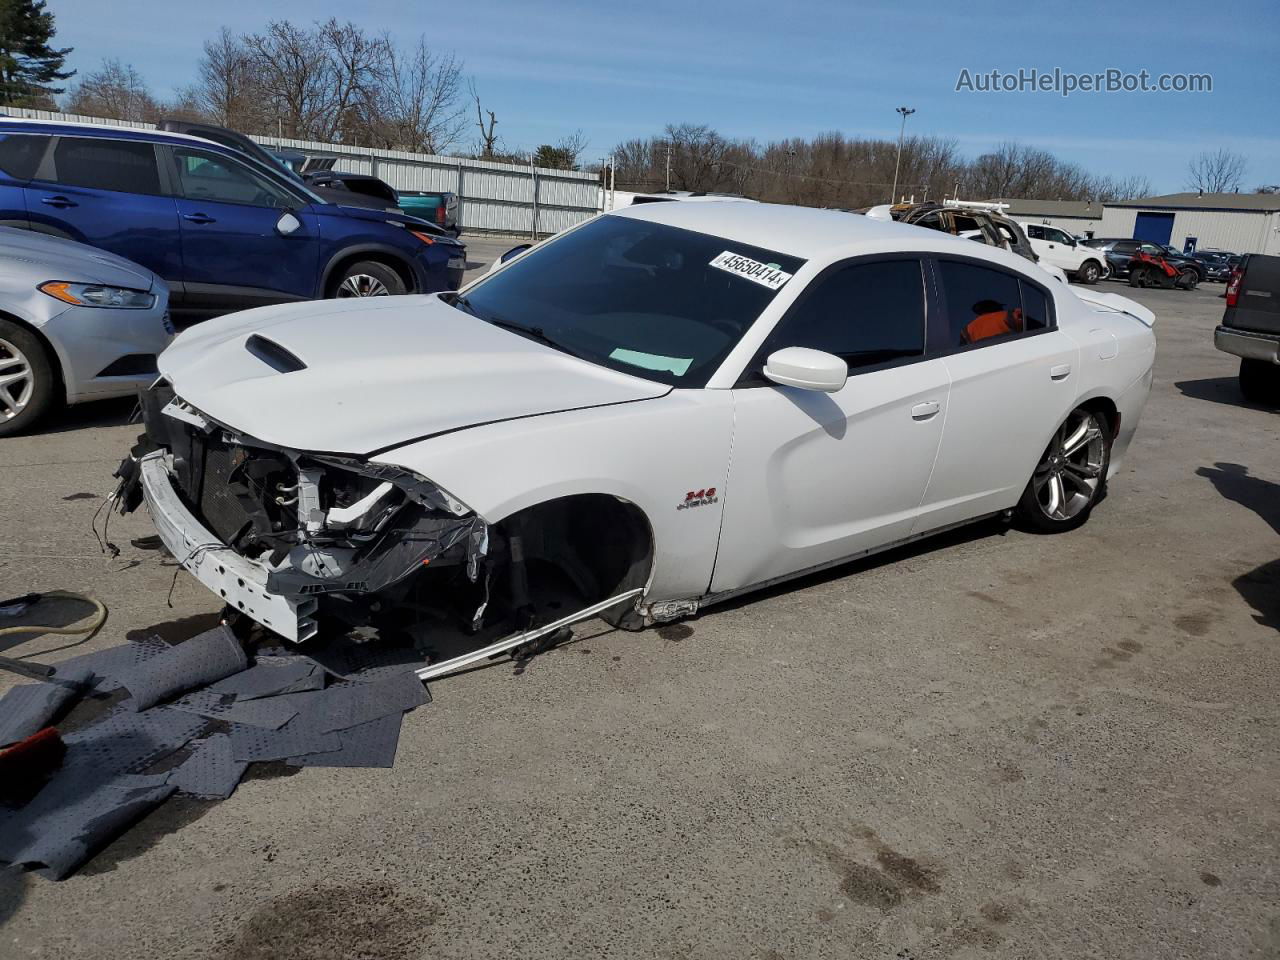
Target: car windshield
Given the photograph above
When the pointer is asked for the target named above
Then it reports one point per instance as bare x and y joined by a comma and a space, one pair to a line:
647, 299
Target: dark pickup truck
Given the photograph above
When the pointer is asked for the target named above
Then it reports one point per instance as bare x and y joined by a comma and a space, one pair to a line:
1250, 327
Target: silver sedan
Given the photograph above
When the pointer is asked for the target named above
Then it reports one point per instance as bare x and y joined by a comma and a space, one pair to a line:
76, 324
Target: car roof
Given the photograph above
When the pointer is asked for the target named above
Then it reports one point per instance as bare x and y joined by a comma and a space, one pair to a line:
66, 127
800, 231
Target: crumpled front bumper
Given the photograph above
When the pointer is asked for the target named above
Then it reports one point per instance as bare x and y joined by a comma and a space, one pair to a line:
241, 582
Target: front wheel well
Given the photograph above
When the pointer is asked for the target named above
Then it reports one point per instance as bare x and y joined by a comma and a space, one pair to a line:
334, 277
55, 361
603, 544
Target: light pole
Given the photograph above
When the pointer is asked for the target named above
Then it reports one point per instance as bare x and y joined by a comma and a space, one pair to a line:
906, 112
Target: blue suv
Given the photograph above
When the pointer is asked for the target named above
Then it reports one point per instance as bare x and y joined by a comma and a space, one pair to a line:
226, 232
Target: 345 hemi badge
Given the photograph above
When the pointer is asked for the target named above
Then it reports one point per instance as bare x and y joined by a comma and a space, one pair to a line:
698, 498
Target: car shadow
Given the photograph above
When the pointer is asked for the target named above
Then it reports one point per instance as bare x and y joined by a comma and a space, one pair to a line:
87, 416
1235, 483
1218, 390
1260, 588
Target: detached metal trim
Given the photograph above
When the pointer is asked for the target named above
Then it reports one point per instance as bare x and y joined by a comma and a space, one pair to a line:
519, 639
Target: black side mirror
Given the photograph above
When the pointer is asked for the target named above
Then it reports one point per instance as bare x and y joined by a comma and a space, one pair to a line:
514, 252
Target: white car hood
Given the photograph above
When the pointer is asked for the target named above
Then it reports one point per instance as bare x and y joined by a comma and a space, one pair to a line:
378, 373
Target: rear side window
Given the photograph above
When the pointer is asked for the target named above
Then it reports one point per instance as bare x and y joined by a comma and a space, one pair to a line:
1035, 307
865, 313
1035, 232
126, 166
20, 154
982, 303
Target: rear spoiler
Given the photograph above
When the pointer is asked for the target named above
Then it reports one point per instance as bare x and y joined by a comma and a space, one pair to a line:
1115, 303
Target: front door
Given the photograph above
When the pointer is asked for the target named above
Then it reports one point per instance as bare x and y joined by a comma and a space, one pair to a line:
816, 477
246, 240
1013, 377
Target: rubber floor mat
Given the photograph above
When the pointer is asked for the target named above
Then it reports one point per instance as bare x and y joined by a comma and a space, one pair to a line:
211, 771
204, 659
371, 744
28, 708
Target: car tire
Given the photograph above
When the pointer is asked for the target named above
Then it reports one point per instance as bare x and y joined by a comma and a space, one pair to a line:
1090, 272
1071, 476
1260, 382
368, 278
28, 381
1188, 280
1138, 277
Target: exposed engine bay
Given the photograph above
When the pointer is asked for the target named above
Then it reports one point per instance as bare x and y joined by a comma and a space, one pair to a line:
292, 539
320, 526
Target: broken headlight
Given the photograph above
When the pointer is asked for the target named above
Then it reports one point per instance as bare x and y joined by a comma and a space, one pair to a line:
364, 526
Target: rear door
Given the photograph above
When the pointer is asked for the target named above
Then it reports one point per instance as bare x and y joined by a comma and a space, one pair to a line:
1013, 378
108, 193
20, 155
239, 249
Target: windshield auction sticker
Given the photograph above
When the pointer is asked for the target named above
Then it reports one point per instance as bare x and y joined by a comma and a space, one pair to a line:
765, 274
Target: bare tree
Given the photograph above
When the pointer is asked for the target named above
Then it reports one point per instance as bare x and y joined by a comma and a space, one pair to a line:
227, 88
488, 139
417, 107
115, 90
1216, 171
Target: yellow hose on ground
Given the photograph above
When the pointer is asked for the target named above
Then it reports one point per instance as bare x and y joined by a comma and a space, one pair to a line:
89, 629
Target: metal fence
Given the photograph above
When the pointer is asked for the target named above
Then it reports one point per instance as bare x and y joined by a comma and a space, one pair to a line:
493, 197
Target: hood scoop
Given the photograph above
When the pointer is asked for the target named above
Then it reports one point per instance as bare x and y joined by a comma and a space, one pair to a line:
273, 355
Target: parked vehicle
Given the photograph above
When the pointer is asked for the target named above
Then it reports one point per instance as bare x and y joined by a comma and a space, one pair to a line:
1080, 263
440, 208
224, 231
290, 163
571, 416
1124, 254
1250, 327
1217, 264
76, 324
356, 184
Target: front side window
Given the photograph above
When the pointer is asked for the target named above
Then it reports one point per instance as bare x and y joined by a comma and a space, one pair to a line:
984, 304
864, 313
1057, 236
211, 176
126, 166
644, 298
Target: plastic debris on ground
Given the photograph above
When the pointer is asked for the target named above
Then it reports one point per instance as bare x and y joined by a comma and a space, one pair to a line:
146, 720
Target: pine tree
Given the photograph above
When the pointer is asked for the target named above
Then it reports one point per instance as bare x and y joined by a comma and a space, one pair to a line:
28, 65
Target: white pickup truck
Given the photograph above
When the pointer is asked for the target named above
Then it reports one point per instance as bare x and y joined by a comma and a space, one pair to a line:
1052, 245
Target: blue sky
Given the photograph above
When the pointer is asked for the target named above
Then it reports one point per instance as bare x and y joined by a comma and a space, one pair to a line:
771, 70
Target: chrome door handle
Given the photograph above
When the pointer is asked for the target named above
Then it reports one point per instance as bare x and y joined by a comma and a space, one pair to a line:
926, 410
1060, 372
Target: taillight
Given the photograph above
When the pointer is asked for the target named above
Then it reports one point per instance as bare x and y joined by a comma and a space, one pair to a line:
1233, 288
440, 213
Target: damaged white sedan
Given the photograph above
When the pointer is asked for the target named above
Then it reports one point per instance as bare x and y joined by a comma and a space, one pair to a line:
658, 409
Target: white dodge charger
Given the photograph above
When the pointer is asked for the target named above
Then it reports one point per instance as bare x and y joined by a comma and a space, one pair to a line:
660, 408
